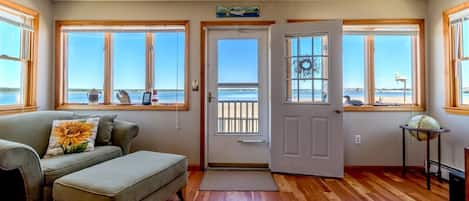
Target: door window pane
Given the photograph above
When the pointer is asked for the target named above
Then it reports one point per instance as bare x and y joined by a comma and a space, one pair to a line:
393, 69
10, 40
129, 65
354, 67
238, 91
11, 82
307, 69
85, 66
238, 61
169, 66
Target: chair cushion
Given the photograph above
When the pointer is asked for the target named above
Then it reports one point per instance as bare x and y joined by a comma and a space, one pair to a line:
59, 166
129, 178
106, 124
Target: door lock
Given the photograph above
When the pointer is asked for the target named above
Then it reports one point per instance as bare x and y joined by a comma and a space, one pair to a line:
210, 97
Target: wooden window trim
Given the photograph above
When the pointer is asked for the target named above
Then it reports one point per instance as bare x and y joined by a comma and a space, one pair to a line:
452, 104
418, 66
30, 78
60, 69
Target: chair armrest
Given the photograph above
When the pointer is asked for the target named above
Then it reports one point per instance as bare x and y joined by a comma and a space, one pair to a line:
22, 157
123, 133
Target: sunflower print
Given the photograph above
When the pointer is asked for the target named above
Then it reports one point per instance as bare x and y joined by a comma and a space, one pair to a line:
71, 134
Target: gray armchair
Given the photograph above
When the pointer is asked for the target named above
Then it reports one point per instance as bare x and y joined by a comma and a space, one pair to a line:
23, 141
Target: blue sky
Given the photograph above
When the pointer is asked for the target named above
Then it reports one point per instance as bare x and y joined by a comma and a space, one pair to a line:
392, 54
10, 71
86, 60
239, 67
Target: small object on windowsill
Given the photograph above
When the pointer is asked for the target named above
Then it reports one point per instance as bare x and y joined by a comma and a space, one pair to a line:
154, 98
349, 101
123, 97
146, 100
380, 102
93, 97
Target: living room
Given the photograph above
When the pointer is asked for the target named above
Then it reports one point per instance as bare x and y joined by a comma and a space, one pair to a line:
160, 73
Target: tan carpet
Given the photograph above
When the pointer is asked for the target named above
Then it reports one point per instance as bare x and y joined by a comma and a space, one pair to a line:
227, 180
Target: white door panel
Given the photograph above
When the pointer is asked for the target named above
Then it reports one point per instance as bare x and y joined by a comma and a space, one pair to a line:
306, 98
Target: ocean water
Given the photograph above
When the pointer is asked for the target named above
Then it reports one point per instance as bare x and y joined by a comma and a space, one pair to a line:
177, 96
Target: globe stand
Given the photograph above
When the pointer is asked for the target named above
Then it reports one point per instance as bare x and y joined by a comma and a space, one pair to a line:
429, 133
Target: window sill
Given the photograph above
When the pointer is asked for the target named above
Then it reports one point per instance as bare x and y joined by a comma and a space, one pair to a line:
457, 110
162, 107
17, 109
370, 108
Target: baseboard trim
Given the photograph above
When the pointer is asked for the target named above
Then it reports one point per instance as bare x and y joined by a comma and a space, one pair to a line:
347, 168
381, 168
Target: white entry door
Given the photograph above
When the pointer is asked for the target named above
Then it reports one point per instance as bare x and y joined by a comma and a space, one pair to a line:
237, 97
306, 98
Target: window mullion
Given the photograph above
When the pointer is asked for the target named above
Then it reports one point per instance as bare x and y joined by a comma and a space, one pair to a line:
149, 61
370, 66
107, 68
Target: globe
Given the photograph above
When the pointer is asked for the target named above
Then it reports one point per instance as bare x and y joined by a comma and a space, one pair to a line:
425, 122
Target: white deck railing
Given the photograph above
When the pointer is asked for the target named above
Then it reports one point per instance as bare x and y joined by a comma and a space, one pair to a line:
238, 117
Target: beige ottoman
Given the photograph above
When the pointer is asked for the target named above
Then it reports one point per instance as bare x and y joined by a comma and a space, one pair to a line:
138, 176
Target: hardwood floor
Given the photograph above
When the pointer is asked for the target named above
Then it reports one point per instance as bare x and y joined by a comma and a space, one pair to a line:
358, 184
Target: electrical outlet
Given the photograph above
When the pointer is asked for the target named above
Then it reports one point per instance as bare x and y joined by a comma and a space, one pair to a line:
357, 139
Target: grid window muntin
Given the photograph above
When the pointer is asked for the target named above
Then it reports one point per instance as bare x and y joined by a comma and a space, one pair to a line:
295, 58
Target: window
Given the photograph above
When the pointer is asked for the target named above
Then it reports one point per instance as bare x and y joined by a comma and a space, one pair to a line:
112, 58
84, 74
18, 33
456, 32
383, 65
354, 66
129, 63
169, 66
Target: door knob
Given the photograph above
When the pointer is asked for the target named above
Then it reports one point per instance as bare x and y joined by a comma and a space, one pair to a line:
338, 111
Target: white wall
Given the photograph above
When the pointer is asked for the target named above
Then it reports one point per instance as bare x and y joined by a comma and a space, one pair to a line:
381, 138
45, 51
453, 143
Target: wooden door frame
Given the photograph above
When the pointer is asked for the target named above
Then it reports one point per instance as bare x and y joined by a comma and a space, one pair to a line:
203, 26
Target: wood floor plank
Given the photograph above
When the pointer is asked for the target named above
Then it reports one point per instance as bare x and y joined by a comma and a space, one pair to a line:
366, 185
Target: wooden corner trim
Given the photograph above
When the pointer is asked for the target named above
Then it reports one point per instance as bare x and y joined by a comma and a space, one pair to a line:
20, 8
110, 107
371, 108
388, 21
236, 22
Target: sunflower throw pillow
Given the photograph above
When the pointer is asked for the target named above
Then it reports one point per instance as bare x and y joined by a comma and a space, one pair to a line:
72, 136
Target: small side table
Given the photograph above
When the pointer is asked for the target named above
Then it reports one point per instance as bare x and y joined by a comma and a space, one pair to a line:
429, 133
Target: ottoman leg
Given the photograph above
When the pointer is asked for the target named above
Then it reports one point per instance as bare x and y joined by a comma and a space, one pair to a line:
180, 195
